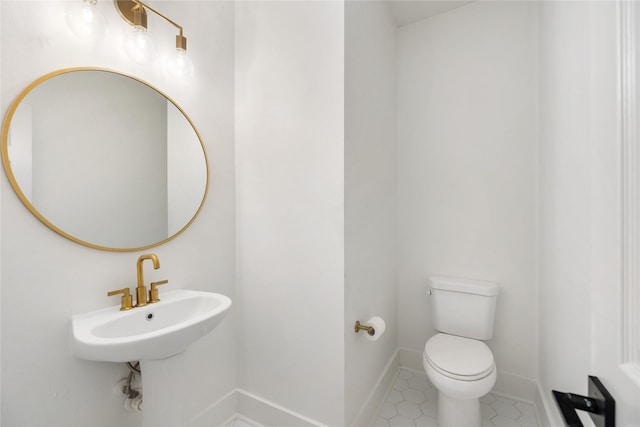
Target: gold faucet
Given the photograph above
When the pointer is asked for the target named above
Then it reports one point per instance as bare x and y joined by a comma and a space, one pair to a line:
141, 290
125, 302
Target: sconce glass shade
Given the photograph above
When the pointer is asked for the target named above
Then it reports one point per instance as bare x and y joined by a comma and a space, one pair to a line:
179, 65
86, 21
139, 46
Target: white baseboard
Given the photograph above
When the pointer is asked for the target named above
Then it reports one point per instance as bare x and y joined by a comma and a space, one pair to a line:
271, 414
266, 413
410, 359
548, 415
369, 410
261, 411
218, 413
512, 385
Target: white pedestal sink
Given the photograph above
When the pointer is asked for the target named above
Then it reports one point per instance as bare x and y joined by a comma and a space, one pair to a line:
156, 335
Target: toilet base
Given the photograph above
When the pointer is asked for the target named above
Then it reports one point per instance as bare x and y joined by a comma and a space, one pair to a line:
458, 412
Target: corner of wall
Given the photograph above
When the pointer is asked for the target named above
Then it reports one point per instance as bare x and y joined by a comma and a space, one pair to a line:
543, 407
368, 410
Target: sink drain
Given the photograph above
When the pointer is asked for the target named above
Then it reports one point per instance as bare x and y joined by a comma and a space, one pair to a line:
150, 316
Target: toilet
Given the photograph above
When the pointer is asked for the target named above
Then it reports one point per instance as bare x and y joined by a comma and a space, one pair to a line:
456, 360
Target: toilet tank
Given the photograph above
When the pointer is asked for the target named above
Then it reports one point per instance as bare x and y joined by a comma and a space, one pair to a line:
463, 307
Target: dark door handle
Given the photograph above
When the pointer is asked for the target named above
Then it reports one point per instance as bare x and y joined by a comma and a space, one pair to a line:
599, 404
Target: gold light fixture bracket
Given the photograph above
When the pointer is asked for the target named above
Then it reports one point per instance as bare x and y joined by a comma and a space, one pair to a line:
134, 13
126, 9
181, 42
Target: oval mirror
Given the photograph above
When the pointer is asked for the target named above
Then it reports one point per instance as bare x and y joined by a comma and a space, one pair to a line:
104, 159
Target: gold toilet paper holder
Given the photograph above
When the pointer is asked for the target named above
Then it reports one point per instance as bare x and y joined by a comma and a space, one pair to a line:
360, 327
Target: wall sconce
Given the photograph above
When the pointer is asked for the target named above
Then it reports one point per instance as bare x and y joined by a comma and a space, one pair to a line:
86, 21
140, 47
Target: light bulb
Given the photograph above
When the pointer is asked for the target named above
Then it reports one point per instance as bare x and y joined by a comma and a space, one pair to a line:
139, 46
179, 65
86, 21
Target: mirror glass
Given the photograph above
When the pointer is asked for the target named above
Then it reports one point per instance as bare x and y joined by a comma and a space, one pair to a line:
104, 159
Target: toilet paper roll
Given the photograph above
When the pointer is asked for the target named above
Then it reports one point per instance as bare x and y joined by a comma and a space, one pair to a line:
378, 325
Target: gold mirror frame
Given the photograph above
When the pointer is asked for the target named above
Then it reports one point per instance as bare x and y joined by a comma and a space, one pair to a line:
27, 203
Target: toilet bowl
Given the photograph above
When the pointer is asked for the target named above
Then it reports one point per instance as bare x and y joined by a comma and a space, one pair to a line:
463, 370
457, 361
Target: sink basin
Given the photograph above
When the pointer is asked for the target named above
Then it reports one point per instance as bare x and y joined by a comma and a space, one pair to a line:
156, 331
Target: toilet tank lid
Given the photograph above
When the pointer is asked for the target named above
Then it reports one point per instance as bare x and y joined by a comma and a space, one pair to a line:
469, 286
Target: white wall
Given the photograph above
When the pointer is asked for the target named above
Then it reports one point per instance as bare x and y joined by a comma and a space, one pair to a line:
565, 206
370, 196
467, 185
290, 204
46, 278
581, 219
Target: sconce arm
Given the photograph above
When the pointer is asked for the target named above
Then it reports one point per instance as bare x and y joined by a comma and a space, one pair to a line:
144, 5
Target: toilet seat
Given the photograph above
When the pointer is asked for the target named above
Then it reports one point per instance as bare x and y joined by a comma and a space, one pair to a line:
459, 358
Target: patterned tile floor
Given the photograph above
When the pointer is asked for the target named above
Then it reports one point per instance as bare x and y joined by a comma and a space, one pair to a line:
413, 402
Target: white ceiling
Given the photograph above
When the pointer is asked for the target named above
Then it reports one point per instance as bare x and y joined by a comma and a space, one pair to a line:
409, 11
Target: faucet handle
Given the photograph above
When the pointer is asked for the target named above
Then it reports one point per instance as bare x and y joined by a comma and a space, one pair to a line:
153, 292
126, 302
